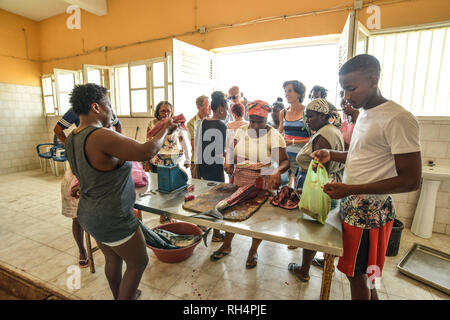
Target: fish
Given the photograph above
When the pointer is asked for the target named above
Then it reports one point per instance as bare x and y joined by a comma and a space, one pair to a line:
154, 240
182, 240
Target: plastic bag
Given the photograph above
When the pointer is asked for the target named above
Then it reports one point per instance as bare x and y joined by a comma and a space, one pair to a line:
137, 172
313, 201
139, 177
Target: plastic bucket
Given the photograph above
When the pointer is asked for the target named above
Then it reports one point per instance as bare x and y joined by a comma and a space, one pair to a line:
394, 239
177, 255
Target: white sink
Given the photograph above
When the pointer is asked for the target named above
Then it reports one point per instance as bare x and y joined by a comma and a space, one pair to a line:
436, 173
422, 225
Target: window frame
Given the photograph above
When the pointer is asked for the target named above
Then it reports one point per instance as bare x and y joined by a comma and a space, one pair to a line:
409, 30
52, 83
76, 80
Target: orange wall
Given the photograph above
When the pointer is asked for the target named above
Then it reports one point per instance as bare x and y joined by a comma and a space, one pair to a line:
12, 43
129, 21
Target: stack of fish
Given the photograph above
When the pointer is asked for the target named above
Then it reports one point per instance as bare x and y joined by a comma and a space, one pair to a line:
286, 198
163, 239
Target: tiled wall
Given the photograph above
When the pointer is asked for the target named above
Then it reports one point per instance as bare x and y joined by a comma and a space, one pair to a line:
22, 127
435, 143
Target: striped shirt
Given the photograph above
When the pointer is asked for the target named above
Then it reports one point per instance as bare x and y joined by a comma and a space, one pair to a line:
70, 118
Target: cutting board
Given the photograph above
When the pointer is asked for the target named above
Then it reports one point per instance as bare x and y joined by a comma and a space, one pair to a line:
239, 212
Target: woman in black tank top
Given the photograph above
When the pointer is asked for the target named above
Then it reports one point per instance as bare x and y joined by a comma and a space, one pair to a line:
99, 158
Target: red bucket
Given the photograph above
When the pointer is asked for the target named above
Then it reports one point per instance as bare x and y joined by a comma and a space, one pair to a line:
177, 255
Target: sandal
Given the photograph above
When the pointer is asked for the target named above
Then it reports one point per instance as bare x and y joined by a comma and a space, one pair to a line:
318, 262
83, 263
292, 266
252, 262
218, 239
217, 255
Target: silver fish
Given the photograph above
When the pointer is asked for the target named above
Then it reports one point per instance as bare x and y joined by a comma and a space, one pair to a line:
182, 240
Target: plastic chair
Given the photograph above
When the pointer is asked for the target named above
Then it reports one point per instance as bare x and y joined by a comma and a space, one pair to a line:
58, 154
43, 156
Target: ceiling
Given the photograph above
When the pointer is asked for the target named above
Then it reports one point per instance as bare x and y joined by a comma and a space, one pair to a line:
38, 10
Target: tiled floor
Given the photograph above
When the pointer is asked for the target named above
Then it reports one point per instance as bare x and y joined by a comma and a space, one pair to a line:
37, 240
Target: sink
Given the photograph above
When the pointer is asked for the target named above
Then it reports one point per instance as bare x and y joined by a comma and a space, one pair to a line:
423, 221
437, 172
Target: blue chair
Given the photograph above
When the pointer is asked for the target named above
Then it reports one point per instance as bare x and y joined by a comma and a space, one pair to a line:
58, 154
46, 155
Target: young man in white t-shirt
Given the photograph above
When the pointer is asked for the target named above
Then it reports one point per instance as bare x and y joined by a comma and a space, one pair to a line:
383, 158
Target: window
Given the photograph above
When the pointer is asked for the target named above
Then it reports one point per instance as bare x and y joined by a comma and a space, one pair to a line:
122, 92
140, 86
65, 80
414, 69
48, 94
261, 74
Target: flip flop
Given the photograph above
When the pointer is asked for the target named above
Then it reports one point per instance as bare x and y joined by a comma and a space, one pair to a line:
83, 263
292, 266
318, 262
217, 239
252, 262
217, 255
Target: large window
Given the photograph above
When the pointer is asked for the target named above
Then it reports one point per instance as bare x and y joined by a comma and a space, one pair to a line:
134, 89
415, 69
260, 74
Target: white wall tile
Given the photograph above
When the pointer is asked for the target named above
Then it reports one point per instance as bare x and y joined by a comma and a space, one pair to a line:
435, 150
442, 215
439, 227
429, 132
22, 126
443, 200
444, 133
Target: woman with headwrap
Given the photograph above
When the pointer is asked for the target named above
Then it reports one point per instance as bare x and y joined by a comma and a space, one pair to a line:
323, 118
257, 147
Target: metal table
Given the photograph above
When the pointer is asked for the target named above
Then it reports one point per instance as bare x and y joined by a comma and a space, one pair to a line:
269, 223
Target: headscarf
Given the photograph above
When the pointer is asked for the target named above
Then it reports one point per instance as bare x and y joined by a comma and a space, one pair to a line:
258, 108
326, 107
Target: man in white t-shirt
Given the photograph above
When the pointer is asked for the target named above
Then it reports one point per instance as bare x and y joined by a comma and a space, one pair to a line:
383, 158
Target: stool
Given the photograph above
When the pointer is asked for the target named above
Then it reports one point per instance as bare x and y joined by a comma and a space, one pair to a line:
91, 250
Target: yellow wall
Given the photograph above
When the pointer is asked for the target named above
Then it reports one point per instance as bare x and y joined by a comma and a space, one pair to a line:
130, 21
19, 70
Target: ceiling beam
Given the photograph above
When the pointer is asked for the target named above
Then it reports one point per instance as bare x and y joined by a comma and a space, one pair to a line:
97, 7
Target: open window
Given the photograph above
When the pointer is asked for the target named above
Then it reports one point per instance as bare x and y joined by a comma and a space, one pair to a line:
48, 94
101, 75
65, 80
194, 74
